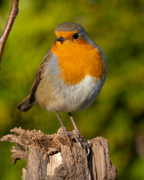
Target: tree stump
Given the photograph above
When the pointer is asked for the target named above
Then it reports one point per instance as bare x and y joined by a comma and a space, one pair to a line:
50, 157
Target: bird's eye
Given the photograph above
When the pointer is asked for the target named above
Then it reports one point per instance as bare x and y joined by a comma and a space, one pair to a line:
75, 36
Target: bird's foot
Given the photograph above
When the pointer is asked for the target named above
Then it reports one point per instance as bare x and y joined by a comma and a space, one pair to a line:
62, 131
78, 138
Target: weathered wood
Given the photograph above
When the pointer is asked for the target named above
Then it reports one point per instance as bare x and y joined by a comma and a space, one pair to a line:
50, 157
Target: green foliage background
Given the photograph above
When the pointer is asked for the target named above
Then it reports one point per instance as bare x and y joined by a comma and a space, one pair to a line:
117, 114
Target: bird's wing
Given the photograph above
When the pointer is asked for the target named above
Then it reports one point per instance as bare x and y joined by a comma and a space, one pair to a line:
30, 100
38, 76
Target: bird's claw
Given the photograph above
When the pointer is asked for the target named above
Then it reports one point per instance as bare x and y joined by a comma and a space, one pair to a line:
79, 139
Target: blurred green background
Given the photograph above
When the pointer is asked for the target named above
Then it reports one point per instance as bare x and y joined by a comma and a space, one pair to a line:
117, 114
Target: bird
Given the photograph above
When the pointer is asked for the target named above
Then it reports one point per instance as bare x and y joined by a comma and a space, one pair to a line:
70, 76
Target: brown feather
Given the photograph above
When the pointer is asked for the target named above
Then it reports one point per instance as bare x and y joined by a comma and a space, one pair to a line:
30, 100
25, 105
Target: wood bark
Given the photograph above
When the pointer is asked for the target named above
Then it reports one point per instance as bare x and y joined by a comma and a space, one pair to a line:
13, 13
50, 157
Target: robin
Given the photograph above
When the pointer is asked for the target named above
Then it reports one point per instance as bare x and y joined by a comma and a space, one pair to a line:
70, 76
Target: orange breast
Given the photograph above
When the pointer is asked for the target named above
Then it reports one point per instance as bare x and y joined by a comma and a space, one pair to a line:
76, 60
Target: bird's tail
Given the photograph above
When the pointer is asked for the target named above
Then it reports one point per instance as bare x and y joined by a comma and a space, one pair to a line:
25, 105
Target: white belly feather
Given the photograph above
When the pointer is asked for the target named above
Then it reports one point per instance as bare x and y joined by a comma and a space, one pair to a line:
76, 97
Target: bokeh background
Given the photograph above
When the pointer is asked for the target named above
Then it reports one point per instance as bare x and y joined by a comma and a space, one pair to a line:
117, 114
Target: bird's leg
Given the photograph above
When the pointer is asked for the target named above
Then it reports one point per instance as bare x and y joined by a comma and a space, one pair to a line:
77, 132
64, 129
74, 124
73, 133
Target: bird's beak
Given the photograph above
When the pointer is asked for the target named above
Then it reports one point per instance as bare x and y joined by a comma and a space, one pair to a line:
61, 39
